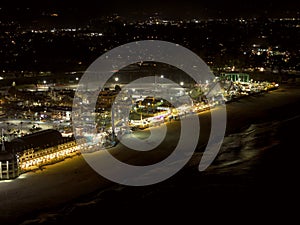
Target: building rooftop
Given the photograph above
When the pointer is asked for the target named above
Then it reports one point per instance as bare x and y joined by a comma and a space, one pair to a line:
42, 139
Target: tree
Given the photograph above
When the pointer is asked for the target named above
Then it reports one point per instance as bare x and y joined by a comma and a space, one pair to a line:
117, 88
196, 93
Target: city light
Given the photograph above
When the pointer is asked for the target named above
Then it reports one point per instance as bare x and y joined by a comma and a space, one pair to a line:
252, 72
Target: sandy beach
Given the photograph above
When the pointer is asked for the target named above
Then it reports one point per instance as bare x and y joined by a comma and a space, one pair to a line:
58, 185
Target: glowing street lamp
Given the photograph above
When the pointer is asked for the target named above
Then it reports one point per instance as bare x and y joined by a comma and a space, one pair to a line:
181, 83
116, 79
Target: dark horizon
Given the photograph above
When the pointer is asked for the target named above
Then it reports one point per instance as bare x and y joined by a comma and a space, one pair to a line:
139, 9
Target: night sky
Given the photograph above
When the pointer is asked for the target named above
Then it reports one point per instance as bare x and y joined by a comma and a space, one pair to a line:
167, 8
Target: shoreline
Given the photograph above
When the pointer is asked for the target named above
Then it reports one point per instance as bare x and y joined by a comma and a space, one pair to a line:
58, 192
172, 192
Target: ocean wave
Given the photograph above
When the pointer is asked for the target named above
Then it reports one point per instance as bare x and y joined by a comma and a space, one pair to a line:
245, 145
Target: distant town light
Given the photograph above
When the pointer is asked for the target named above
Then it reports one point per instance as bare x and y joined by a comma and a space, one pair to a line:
116, 79
77, 78
181, 83
161, 76
45, 82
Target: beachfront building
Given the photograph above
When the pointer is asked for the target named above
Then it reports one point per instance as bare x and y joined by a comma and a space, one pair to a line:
31, 158
8, 162
35, 150
9, 168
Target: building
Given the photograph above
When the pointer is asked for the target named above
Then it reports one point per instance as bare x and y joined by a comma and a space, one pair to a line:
33, 151
9, 168
242, 77
106, 99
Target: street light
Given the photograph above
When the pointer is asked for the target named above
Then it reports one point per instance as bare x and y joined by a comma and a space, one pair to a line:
148, 107
44, 82
181, 83
116, 79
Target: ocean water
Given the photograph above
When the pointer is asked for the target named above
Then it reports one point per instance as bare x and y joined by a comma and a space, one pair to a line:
251, 166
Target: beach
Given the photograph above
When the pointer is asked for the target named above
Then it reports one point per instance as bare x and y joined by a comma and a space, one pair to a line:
72, 186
